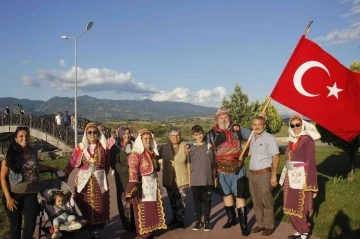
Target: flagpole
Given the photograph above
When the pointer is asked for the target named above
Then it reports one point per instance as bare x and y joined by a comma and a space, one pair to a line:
269, 100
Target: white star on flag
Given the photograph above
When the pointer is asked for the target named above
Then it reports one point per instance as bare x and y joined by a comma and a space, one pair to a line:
334, 91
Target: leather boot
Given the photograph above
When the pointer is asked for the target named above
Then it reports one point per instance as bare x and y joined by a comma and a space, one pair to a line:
230, 211
242, 214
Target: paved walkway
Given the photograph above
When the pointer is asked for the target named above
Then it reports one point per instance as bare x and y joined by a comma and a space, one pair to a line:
113, 229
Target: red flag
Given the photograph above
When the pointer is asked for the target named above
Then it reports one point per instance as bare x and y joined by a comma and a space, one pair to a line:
316, 85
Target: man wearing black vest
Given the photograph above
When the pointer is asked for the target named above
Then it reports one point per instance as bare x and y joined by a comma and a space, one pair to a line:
226, 139
175, 175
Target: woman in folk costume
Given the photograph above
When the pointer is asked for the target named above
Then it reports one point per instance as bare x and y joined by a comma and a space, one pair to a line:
298, 177
143, 188
91, 157
118, 162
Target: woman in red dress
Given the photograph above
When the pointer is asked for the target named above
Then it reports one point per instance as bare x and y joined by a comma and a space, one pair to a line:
299, 177
143, 188
91, 157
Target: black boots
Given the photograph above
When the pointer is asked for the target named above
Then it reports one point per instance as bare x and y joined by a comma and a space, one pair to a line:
230, 211
242, 214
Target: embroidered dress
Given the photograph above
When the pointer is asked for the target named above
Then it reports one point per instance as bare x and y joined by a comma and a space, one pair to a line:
91, 186
148, 206
298, 203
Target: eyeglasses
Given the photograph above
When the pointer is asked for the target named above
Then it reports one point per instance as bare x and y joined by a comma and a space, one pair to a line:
95, 132
293, 125
174, 136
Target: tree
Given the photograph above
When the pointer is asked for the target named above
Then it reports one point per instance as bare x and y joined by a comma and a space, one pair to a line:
273, 120
242, 112
238, 106
351, 148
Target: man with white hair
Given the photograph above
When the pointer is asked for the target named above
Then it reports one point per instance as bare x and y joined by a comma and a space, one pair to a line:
226, 139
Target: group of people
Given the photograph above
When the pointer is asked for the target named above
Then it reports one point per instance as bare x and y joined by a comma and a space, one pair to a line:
65, 119
215, 159
17, 110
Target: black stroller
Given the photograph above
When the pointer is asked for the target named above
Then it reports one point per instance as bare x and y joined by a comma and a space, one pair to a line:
45, 228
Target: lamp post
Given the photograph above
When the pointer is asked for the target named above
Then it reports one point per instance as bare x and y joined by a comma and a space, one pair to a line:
88, 27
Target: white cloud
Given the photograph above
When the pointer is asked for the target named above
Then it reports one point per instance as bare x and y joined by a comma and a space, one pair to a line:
62, 62
26, 80
180, 94
94, 79
97, 80
27, 61
347, 34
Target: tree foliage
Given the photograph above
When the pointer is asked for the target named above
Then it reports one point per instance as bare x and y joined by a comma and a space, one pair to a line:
242, 111
350, 148
273, 119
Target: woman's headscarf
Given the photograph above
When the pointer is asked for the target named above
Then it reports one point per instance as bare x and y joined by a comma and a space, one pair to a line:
101, 137
306, 129
138, 145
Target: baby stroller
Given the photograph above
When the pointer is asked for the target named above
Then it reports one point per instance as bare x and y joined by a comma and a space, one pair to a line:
46, 212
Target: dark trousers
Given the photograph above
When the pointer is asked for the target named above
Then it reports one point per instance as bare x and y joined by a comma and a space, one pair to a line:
126, 212
28, 205
202, 201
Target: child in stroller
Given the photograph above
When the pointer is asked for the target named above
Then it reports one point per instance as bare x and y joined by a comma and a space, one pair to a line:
64, 212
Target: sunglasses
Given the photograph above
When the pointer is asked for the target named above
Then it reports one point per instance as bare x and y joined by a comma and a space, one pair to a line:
293, 125
95, 132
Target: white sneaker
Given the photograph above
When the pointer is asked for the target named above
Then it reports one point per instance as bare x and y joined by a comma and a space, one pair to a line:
75, 226
56, 235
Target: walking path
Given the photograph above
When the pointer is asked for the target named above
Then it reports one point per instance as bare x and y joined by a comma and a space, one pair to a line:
113, 229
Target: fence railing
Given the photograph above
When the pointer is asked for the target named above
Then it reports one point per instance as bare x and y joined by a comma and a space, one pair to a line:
46, 124
62, 133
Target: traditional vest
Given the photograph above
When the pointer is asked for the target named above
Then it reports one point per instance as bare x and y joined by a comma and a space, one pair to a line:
227, 144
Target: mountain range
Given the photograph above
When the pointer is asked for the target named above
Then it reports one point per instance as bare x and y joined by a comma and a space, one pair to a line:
109, 110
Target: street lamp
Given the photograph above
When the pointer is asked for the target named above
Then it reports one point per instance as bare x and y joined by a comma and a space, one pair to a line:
88, 27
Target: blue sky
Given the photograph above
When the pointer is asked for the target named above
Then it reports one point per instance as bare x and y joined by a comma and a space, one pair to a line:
190, 51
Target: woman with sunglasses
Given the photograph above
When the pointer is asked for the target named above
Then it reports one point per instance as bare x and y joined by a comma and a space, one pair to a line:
91, 157
143, 189
20, 184
118, 162
298, 177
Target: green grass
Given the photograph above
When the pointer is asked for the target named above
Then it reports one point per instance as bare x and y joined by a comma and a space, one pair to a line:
336, 205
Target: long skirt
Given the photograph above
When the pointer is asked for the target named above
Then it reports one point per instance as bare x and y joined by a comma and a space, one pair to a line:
298, 204
149, 216
94, 205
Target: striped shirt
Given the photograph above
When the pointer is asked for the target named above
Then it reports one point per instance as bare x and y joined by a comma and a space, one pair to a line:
262, 150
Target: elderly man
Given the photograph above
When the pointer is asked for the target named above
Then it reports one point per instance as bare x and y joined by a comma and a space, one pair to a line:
264, 163
175, 175
226, 138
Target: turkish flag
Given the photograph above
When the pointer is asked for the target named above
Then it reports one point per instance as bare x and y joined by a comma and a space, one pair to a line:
319, 87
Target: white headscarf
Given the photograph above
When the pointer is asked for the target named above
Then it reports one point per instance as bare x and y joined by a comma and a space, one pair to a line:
138, 146
306, 129
101, 136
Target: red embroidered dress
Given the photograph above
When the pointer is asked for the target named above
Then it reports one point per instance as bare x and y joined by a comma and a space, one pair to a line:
149, 215
91, 192
297, 203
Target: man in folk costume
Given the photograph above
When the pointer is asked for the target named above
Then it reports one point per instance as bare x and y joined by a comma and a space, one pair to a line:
91, 157
299, 176
143, 188
226, 138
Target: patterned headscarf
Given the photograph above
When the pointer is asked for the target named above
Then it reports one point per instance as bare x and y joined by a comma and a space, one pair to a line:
138, 145
221, 111
101, 137
306, 129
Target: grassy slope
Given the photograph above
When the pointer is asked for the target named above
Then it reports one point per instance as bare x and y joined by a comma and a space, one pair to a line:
336, 206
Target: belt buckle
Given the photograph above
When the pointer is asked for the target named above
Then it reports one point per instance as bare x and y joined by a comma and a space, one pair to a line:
289, 165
